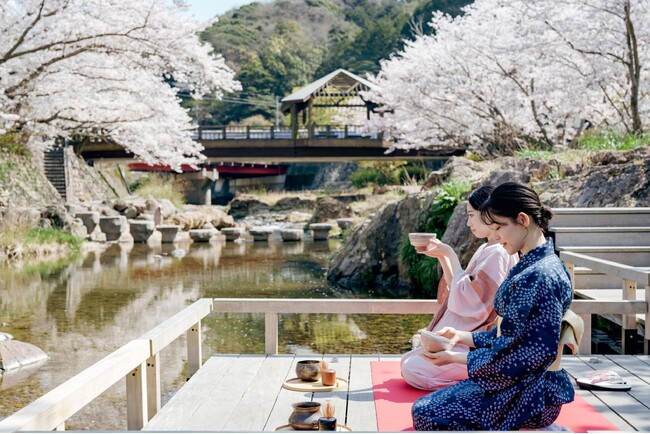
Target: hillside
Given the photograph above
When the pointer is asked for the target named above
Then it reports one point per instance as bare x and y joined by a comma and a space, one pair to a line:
280, 46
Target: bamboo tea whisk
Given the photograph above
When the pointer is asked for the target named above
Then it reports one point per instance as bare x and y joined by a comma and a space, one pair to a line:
328, 409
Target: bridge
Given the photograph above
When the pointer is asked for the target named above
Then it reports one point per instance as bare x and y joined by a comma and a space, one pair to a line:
315, 143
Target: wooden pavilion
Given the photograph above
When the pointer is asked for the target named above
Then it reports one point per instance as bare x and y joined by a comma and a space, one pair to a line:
338, 89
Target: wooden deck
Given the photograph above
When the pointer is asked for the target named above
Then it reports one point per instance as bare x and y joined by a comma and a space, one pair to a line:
244, 393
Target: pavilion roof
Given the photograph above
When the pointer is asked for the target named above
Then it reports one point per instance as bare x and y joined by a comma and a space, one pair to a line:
339, 83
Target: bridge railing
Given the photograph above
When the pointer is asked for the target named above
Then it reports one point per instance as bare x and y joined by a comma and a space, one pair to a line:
247, 132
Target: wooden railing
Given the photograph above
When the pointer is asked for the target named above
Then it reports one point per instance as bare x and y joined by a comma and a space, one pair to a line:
246, 132
138, 361
628, 307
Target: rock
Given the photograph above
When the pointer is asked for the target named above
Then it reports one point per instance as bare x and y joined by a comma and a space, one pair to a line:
5, 336
202, 235
198, 217
292, 203
90, 220
371, 256
130, 212
16, 354
168, 232
297, 217
151, 205
168, 208
292, 234
120, 205
328, 208
455, 168
243, 207
58, 216
232, 234
321, 230
77, 228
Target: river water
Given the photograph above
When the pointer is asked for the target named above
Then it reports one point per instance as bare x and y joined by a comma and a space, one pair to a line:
80, 312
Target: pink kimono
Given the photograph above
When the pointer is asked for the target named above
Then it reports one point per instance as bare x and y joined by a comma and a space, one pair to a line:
467, 305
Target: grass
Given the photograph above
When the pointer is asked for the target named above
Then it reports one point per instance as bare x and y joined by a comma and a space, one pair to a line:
20, 240
612, 141
159, 187
13, 143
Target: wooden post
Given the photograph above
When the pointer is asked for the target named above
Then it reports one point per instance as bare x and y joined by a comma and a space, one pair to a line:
248, 132
646, 334
294, 124
153, 385
272, 132
571, 269
585, 343
271, 333
136, 398
629, 337
223, 133
194, 349
345, 131
200, 131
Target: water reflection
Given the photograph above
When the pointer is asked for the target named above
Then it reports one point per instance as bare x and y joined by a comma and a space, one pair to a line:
78, 312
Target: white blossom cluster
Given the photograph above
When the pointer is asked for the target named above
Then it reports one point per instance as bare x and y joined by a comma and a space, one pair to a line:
102, 68
520, 71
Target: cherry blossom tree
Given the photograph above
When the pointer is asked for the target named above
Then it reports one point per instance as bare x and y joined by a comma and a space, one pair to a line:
519, 72
106, 69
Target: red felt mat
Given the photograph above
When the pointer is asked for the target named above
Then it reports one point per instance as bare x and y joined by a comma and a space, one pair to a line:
394, 398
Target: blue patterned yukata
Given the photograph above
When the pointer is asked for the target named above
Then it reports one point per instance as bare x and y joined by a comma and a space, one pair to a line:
509, 386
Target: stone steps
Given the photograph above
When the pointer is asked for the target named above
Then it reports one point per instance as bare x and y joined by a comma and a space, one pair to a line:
635, 256
601, 236
600, 217
54, 165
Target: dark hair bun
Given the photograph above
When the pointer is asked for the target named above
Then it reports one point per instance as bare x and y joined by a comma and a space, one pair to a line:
545, 215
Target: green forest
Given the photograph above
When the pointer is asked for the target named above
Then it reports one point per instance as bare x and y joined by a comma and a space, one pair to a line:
278, 47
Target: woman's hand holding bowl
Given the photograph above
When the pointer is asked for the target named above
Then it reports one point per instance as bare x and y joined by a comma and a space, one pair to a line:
435, 249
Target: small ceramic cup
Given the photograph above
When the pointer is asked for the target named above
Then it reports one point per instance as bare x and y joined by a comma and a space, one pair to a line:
328, 377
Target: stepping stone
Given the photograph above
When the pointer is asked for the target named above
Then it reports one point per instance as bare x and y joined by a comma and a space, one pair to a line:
321, 230
232, 233
291, 234
169, 232
141, 230
260, 233
202, 235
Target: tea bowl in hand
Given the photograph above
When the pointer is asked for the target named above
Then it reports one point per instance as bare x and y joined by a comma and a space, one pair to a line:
433, 343
420, 239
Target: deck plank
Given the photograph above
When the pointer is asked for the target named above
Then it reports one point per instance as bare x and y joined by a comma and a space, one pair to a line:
216, 410
252, 411
186, 402
244, 393
361, 414
282, 407
578, 368
623, 403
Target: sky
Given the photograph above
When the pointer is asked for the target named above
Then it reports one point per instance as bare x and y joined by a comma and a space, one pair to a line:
206, 9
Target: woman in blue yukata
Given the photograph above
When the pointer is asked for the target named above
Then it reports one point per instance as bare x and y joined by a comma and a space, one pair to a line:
514, 379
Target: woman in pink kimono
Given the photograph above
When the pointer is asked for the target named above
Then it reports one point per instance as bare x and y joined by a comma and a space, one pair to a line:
466, 297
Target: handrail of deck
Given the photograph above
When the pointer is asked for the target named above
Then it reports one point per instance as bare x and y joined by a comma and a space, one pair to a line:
630, 278
138, 360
